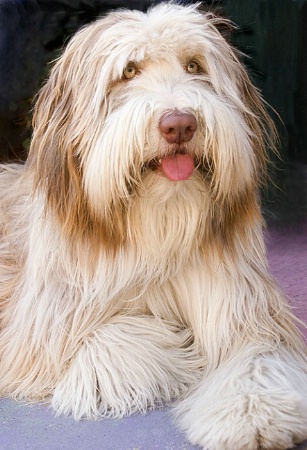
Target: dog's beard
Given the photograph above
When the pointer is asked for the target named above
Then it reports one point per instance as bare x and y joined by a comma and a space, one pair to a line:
167, 221
129, 145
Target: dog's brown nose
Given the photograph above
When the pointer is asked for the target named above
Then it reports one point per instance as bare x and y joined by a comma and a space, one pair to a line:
178, 127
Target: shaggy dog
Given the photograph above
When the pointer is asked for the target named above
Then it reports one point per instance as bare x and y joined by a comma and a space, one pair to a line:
133, 270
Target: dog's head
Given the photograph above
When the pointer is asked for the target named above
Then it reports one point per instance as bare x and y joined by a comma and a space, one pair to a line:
135, 95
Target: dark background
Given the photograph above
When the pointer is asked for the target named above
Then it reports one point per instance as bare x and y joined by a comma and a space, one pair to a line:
272, 33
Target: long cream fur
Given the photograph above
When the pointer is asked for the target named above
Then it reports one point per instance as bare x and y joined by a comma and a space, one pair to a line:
122, 290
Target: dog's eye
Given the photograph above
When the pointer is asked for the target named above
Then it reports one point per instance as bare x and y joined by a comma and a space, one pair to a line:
130, 70
193, 67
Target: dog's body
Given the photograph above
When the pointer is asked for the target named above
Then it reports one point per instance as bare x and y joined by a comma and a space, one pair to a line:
133, 269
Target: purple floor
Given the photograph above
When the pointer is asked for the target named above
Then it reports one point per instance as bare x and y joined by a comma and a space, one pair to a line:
36, 427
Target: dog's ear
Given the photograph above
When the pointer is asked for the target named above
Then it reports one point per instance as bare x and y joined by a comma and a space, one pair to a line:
231, 78
67, 117
240, 167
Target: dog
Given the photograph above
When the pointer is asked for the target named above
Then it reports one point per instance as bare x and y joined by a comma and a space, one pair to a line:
133, 270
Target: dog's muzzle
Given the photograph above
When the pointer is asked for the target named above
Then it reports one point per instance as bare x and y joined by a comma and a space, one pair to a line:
178, 128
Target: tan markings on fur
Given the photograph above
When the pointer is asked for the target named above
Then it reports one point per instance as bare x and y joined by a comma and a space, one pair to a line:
59, 173
121, 289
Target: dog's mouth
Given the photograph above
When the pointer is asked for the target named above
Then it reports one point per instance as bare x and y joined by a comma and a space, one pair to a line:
177, 166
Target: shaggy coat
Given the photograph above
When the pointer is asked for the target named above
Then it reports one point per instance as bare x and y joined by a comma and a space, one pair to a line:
133, 270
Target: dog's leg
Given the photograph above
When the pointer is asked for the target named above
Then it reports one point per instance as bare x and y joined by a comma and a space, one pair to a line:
254, 391
127, 365
255, 400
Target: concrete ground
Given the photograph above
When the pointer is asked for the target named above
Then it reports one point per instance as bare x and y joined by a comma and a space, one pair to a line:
36, 428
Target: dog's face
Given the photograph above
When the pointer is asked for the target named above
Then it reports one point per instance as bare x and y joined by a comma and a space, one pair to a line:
156, 99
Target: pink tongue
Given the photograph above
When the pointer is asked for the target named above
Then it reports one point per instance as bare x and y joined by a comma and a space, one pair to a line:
178, 167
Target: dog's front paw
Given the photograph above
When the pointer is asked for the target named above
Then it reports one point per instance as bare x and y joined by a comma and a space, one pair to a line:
259, 404
233, 428
248, 422
127, 366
